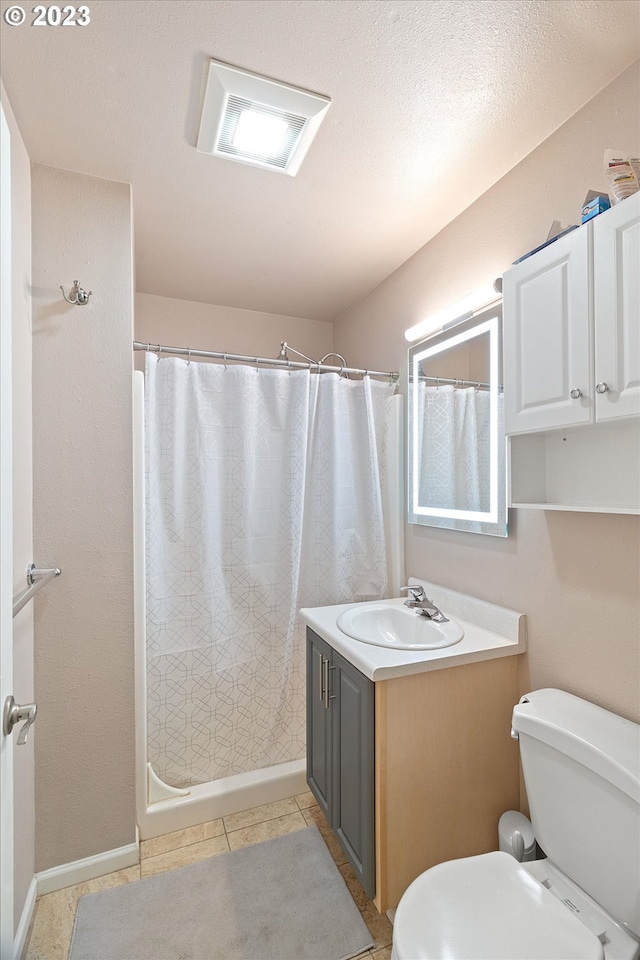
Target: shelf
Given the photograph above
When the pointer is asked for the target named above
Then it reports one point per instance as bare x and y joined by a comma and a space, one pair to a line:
571, 508
587, 469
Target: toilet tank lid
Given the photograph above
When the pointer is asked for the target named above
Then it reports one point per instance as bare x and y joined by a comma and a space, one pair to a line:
599, 740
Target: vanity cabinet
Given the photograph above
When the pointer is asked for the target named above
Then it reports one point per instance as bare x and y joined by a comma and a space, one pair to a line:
572, 364
340, 745
412, 770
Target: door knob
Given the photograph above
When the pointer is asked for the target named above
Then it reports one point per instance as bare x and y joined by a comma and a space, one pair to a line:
602, 387
576, 393
15, 713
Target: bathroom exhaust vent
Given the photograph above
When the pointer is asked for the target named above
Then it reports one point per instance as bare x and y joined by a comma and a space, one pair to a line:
255, 120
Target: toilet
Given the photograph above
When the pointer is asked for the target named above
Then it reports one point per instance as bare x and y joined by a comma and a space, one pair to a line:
581, 766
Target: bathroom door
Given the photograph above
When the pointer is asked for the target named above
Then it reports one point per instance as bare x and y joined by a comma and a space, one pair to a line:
6, 548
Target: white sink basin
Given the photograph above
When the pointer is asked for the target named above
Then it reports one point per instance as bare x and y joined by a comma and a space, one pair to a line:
393, 625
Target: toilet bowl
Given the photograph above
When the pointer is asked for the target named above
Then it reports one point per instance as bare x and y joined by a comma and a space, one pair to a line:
581, 766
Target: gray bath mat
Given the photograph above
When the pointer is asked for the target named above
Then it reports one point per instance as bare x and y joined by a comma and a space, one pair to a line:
283, 899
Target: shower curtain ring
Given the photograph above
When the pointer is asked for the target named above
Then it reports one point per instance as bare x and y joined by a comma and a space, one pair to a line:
188, 356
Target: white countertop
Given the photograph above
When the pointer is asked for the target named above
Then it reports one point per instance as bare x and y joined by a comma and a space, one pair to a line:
489, 631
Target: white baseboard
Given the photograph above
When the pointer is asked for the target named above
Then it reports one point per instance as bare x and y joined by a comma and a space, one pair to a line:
25, 919
88, 869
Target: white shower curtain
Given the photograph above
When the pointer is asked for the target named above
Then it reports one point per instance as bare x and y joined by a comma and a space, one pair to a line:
455, 453
453, 431
263, 496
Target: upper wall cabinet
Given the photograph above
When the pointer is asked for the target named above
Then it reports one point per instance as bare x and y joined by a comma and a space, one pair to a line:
616, 257
577, 294
547, 354
572, 368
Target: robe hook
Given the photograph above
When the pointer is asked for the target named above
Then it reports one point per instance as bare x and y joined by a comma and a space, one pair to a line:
77, 295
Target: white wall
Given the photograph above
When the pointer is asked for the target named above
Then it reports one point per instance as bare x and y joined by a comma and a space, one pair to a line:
206, 326
24, 816
576, 576
83, 509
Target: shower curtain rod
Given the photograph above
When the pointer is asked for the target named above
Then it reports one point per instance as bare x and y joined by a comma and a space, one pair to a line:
290, 364
478, 384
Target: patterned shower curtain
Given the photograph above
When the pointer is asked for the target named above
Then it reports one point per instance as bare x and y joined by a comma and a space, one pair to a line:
263, 496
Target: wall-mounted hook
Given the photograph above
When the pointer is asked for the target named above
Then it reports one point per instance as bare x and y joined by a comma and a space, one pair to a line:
77, 295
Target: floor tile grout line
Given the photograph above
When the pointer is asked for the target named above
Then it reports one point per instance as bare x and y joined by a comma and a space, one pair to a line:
300, 809
257, 823
226, 831
266, 820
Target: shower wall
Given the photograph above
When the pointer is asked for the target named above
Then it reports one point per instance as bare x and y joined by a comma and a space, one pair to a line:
208, 326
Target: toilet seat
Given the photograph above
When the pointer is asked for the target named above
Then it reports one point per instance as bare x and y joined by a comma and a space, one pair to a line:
487, 908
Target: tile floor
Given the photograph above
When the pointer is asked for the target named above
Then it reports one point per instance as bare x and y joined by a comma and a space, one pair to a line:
53, 923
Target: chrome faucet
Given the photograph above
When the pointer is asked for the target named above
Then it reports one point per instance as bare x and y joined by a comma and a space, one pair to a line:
419, 601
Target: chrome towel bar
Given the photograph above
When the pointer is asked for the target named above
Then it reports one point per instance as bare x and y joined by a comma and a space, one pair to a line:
36, 579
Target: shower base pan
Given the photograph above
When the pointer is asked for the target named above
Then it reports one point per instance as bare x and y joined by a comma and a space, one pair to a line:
221, 798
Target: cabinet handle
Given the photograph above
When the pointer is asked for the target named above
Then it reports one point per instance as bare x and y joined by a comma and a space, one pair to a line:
326, 667
576, 393
602, 387
322, 676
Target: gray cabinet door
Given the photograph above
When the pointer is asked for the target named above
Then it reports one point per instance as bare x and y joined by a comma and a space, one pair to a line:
353, 764
319, 724
340, 752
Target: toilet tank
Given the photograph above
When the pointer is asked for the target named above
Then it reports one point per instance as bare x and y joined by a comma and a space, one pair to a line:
581, 767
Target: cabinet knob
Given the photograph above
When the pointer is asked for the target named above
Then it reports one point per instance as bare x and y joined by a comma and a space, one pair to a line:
576, 393
602, 387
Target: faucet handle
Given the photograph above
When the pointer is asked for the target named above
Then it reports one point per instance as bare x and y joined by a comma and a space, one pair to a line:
416, 591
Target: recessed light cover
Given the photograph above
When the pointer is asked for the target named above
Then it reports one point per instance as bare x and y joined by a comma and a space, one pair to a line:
253, 119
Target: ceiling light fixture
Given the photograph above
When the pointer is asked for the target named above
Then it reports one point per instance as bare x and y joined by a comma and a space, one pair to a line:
255, 120
462, 309
259, 134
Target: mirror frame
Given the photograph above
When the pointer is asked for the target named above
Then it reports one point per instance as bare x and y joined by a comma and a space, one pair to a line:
493, 521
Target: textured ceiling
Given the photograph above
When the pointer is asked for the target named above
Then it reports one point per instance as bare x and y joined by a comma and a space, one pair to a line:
433, 101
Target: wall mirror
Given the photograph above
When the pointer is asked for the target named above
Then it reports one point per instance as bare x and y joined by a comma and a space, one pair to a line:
456, 445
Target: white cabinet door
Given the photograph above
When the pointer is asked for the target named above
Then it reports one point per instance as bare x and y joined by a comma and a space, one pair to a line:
547, 337
616, 257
